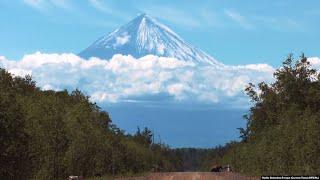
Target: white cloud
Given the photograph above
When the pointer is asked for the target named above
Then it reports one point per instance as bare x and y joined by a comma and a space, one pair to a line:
121, 40
37, 4
238, 18
124, 78
43, 5
97, 4
315, 62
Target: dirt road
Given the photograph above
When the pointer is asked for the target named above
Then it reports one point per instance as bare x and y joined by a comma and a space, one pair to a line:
192, 176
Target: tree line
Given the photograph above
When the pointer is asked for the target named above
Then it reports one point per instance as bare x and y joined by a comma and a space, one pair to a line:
282, 136
54, 134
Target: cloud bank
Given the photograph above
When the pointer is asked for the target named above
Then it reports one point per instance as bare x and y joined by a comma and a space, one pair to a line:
150, 78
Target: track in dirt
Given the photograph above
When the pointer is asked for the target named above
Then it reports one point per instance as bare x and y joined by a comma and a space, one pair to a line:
192, 176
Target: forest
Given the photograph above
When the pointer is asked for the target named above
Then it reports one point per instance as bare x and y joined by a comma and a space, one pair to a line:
282, 136
54, 134
51, 135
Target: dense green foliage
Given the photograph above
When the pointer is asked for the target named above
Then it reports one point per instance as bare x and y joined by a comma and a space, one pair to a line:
199, 159
51, 135
283, 126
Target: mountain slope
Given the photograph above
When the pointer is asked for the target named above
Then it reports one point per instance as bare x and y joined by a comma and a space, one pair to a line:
142, 36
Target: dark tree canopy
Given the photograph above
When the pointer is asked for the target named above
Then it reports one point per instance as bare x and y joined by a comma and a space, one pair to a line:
283, 126
51, 135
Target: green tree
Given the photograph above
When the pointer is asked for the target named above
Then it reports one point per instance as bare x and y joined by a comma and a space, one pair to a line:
13, 138
282, 134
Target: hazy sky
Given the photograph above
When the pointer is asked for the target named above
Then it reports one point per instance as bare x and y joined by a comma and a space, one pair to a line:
234, 32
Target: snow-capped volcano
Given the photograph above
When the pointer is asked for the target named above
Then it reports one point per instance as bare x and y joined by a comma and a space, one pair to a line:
143, 36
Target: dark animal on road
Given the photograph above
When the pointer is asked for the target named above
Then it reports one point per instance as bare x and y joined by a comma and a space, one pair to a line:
216, 169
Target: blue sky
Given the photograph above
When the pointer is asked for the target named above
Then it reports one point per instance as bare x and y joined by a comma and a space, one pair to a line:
234, 32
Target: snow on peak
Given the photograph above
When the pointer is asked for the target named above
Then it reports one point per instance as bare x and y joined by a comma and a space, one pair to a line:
142, 36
